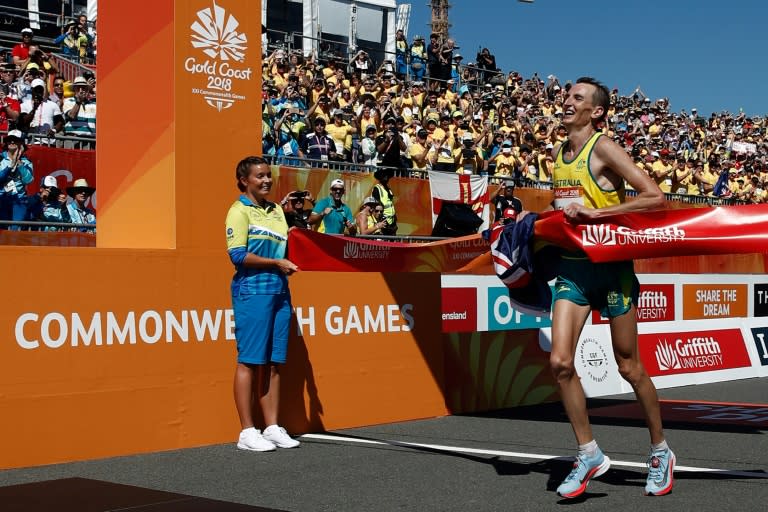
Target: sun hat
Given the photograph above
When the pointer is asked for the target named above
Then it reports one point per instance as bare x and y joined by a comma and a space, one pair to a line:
79, 185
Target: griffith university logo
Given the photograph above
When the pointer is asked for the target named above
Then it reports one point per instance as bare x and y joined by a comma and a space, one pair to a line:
215, 33
666, 357
359, 251
699, 353
598, 234
608, 234
351, 251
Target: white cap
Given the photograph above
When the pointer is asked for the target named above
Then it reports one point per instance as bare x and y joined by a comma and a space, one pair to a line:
338, 183
49, 181
37, 83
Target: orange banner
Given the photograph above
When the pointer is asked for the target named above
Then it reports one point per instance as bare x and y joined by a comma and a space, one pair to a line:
714, 301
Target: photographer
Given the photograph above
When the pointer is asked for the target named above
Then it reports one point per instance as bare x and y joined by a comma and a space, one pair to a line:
467, 158
487, 63
293, 207
370, 217
390, 144
70, 41
285, 132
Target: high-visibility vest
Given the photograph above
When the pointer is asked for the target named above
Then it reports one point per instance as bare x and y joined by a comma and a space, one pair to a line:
387, 202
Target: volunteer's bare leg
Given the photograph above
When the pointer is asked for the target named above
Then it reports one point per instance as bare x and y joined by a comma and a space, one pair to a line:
269, 393
243, 388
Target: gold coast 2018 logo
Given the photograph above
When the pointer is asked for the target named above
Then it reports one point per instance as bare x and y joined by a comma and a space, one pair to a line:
215, 32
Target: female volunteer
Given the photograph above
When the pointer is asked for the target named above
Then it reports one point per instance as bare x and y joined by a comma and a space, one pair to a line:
256, 241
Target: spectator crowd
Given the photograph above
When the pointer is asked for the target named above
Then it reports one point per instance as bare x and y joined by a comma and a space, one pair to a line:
37, 104
425, 110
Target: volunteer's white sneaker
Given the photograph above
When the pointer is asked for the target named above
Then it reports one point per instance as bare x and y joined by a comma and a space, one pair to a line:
279, 437
251, 439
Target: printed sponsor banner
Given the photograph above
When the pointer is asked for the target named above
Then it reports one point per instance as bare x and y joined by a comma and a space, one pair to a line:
760, 337
656, 304
459, 309
687, 231
67, 165
502, 316
693, 352
714, 301
317, 251
760, 299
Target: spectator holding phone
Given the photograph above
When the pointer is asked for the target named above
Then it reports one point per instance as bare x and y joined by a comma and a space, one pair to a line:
331, 215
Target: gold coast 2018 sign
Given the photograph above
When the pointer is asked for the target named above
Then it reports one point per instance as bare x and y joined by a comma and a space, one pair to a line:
222, 63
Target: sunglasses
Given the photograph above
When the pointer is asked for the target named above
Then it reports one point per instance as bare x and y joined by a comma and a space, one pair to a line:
337, 190
378, 210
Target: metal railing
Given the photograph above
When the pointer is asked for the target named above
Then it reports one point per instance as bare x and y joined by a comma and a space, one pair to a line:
62, 141
292, 41
66, 226
69, 69
520, 182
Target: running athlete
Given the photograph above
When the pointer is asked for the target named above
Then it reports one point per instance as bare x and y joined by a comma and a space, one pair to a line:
589, 175
257, 235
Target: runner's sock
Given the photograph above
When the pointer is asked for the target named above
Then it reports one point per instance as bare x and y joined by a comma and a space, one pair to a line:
662, 446
589, 449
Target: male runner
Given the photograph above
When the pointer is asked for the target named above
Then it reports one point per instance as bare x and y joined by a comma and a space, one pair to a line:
589, 175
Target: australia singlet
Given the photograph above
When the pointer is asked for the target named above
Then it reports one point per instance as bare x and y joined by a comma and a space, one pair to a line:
575, 183
611, 287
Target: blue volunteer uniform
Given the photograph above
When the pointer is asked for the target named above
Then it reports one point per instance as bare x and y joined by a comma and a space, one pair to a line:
260, 297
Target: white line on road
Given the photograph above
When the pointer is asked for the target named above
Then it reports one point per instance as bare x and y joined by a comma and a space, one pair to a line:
522, 455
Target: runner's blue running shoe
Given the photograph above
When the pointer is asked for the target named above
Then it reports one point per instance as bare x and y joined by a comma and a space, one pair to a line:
660, 473
584, 469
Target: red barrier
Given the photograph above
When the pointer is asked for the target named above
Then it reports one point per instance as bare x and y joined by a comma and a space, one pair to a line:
67, 165
317, 251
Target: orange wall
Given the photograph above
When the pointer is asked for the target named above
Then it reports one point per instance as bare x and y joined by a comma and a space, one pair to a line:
166, 178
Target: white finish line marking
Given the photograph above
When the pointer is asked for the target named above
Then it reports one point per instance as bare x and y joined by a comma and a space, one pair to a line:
523, 455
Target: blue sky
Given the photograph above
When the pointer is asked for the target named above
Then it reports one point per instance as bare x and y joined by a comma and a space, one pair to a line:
705, 54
